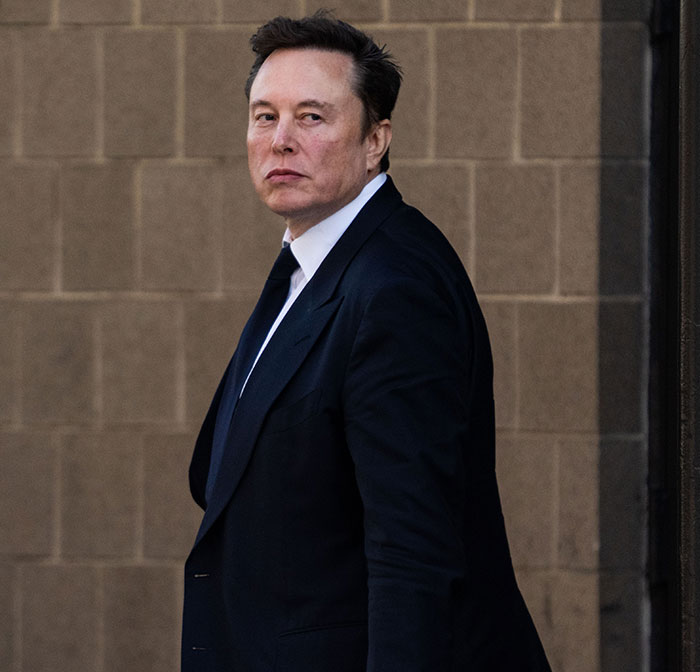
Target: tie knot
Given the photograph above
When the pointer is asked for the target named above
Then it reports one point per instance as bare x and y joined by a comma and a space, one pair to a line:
285, 264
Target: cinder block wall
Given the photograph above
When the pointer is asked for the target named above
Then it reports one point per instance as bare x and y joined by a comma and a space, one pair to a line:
132, 249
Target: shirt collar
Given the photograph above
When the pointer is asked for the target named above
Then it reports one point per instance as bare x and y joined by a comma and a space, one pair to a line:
311, 248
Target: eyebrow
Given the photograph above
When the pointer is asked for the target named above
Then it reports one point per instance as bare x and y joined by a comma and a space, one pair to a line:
311, 102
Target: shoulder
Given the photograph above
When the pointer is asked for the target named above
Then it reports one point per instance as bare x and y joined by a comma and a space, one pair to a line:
407, 251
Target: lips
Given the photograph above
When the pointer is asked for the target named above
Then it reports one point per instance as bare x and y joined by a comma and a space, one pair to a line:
281, 173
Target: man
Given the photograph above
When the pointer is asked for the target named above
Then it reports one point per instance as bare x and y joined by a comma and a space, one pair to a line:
346, 465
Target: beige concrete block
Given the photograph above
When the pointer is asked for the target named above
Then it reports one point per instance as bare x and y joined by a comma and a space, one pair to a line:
212, 330
95, 11
515, 226
27, 484
142, 619
59, 618
561, 91
252, 234
579, 243
622, 643
99, 494
139, 93
621, 345
622, 505
181, 222
350, 10
25, 11
603, 226
59, 93
216, 111
412, 112
476, 87
441, 193
257, 12
579, 539
437, 10
27, 226
558, 362
58, 363
621, 10
502, 325
140, 352
575, 613
526, 477
171, 516
624, 54
9, 361
178, 11
7, 616
515, 10
8, 101
98, 227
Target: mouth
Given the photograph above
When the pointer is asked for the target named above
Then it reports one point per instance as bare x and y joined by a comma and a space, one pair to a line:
283, 175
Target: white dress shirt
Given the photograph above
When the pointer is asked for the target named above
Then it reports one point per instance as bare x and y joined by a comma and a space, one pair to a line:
312, 247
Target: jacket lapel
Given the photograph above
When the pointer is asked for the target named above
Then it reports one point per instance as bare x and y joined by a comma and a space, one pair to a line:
287, 349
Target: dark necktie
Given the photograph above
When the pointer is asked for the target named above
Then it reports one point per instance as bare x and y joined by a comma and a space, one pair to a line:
271, 300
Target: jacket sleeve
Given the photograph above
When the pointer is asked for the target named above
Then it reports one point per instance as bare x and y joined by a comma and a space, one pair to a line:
407, 407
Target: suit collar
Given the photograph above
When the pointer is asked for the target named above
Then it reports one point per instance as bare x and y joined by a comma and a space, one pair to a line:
286, 352
311, 248
377, 209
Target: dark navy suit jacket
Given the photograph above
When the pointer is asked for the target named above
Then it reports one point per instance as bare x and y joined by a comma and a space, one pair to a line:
355, 522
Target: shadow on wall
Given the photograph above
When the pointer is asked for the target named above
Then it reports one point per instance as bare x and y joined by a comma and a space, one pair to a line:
622, 334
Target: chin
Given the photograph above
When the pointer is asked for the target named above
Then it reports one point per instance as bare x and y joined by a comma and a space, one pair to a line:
283, 205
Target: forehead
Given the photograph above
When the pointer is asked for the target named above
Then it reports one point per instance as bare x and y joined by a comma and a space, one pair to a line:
304, 72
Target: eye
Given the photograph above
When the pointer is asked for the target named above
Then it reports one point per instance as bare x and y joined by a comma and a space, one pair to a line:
312, 116
264, 117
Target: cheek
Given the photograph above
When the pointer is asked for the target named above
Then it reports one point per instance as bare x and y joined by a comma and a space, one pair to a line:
254, 147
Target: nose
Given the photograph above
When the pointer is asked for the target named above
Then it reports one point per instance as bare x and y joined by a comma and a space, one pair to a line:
283, 139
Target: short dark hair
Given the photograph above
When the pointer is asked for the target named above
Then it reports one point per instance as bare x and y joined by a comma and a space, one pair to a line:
378, 75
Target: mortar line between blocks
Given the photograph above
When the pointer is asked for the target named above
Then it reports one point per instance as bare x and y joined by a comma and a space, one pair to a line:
58, 238
556, 504
55, 13
100, 624
18, 54
516, 364
180, 367
137, 206
517, 112
17, 369
219, 229
473, 258
136, 12
98, 380
140, 527
557, 229
18, 604
100, 106
432, 92
179, 93
558, 10
57, 443
385, 10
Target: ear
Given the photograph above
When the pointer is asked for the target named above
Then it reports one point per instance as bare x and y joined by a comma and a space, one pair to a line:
377, 142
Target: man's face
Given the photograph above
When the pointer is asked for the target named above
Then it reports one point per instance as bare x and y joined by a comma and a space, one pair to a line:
306, 151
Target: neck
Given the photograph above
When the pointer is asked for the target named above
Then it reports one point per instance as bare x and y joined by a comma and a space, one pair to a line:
299, 225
